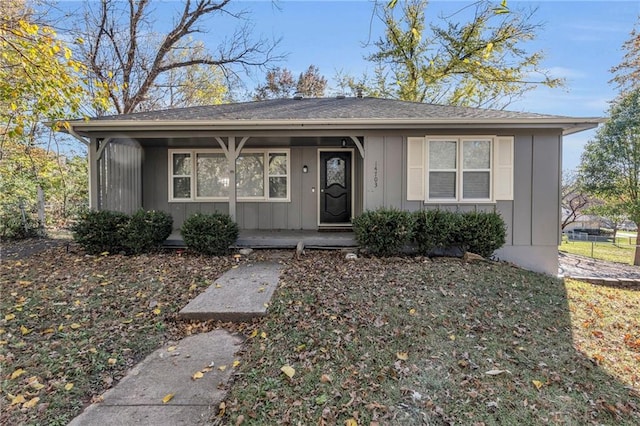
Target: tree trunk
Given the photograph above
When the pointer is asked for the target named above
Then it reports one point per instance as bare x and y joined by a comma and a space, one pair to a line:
636, 257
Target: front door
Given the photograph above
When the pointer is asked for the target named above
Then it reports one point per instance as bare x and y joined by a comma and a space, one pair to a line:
335, 187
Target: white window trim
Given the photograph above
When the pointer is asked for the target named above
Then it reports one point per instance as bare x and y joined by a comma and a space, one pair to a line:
459, 171
194, 198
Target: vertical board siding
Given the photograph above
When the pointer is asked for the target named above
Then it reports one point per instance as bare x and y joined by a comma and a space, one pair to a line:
120, 178
300, 213
545, 190
522, 187
374, 173
394, 172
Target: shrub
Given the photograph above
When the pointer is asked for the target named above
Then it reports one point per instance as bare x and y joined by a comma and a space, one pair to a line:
13, 226
436, 230
100, 231
210, 234
146, 230
482, 233
383, 232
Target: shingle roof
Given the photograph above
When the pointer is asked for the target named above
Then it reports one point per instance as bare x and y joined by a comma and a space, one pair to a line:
327, 109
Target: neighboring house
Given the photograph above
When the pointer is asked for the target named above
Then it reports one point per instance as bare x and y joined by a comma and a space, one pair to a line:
316, 163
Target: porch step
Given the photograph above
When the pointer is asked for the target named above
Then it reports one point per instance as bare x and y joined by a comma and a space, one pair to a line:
287, 239
240, 294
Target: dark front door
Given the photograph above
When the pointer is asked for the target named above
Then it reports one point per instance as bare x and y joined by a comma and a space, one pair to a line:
335, 187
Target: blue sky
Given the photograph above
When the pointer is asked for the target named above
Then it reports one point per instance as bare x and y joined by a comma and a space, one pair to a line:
581, 39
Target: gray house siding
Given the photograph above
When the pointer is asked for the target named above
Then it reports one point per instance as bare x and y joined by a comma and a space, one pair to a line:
532, 217
120, 178
299, 213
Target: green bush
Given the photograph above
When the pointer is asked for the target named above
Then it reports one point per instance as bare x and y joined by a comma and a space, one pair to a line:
436, 230
383, 232
477, 232
14, 227
210, 234
146, 231
100, 231
482, 233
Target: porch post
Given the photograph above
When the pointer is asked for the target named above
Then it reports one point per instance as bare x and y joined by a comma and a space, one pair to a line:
93, 174
231, 157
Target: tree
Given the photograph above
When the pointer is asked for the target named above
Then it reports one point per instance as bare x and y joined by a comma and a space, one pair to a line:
627, 73
195, 85
610, 163
311, 83
479, 63
38, 78
611, 211
281, 84
574, 200
128, 62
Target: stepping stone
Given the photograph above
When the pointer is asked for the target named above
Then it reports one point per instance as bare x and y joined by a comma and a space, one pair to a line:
240, 294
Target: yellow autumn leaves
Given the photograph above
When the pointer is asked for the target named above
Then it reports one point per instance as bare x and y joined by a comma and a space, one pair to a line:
32, 386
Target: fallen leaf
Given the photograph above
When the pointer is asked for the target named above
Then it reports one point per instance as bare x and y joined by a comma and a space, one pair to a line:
24, 330
19, 399
412, 311
35, 384
168, 397
222, 408
253, 334
496, 372
288, 371
19, 372
9, 317
75, 326
112, 361
171, 348
239, 420
402, 356
222, 367
198, 375
68, 386
351, 422
31, 403
263, 335
537, 384
236, 363
325, 378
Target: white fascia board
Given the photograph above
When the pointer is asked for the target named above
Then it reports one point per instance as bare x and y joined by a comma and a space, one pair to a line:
568, 125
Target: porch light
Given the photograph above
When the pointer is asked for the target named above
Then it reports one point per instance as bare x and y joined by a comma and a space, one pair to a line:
305, 169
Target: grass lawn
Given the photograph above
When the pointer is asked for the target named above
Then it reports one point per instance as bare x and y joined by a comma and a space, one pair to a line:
621, 253
372, 341
72, 325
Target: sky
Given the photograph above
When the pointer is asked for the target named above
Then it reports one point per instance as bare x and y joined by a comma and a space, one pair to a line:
581, 40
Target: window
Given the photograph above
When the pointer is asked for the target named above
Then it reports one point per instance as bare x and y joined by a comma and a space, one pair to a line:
459, 169
202, 175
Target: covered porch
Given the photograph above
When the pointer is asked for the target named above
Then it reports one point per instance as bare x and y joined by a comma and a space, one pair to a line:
283, 239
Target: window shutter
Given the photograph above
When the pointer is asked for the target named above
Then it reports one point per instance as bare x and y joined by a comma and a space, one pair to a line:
415, 169
503, 169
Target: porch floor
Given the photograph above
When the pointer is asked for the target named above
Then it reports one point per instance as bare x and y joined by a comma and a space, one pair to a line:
283, 239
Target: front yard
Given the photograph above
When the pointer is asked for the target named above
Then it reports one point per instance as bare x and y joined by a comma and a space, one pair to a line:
371, 341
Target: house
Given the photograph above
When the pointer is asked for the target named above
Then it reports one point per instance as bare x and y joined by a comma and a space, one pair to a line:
310, 164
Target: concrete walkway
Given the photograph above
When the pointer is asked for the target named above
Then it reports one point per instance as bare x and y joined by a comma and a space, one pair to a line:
138, 398
239, 294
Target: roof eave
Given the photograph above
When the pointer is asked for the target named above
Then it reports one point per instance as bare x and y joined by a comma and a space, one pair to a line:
568, 125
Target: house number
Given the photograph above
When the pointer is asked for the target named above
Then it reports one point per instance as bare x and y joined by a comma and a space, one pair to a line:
375, 175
